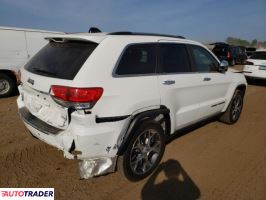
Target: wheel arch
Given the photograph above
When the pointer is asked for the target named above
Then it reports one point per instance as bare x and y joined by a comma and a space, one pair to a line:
160, 115
241, 87
10, 73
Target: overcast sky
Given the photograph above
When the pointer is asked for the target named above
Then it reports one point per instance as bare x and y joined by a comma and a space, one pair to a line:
203, 20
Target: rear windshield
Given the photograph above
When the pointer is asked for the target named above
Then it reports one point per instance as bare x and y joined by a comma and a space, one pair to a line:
220, 50
258, 55
60, 59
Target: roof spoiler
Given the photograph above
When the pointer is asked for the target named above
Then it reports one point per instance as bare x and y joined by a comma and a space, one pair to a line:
67, 39
94, 30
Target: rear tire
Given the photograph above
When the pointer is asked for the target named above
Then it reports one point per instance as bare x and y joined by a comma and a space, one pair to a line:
143, 153
7, 85
234, 109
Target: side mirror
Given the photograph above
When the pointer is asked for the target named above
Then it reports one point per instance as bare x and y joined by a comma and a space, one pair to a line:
223, 66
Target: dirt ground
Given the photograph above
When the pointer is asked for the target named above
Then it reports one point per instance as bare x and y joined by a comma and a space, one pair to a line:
215, 161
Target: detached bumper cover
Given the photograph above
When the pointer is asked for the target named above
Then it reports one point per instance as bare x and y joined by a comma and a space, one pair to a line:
94, 167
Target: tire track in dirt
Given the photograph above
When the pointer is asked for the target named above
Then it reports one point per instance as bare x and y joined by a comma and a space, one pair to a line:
30, 163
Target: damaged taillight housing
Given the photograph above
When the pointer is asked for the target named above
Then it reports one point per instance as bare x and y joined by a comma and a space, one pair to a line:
77, 98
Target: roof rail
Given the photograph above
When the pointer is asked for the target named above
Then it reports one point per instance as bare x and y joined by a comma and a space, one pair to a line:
145, 34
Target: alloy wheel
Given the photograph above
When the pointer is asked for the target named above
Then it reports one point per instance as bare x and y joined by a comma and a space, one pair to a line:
145, 151
236, 107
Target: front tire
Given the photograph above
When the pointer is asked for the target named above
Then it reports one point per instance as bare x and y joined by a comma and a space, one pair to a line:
144, 152
234, 109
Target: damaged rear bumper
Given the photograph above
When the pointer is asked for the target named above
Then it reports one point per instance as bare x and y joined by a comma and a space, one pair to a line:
94, 144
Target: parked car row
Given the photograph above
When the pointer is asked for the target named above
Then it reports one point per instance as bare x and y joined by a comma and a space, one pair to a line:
233, 54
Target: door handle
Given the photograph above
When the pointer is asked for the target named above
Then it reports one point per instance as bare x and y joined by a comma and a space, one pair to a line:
207, 79
169, 82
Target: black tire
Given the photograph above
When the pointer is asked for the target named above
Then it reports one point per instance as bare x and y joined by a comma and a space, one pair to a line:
141, 156
233, 111
7, 85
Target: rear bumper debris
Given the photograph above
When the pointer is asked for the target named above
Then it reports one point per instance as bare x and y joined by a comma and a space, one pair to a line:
94, 167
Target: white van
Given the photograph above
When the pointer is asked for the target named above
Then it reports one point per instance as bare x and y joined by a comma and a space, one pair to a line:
16, 47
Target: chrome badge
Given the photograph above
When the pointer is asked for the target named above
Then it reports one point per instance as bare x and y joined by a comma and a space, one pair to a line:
31, 81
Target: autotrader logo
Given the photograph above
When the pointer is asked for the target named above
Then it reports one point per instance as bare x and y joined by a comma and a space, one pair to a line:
27, 193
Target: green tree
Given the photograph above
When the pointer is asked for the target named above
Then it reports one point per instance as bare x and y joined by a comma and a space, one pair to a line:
237, 41
254, 42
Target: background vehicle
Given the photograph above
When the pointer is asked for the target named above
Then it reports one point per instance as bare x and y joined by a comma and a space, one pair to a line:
255, 66
17, 46
233, 54
128, 104
250, 51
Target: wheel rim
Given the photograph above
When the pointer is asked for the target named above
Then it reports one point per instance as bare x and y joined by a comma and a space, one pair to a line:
4, 86
236, 107
145, 151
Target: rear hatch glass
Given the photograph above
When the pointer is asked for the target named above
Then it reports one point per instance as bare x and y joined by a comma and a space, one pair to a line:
61, 59
220, 50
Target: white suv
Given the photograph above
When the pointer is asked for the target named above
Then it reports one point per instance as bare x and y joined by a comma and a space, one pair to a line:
113, 99
255, 66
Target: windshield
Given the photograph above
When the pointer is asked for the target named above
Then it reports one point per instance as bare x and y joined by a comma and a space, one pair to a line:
61, 59
259, 55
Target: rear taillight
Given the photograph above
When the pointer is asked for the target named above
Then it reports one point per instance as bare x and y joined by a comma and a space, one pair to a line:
78, 98
249, 63
228, 55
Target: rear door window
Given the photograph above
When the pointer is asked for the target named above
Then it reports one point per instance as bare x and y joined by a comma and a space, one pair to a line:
137, 59
173, 58
61, 59
203, 60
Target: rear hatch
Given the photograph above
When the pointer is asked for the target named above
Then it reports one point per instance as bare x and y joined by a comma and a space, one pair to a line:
56, 64
220, 51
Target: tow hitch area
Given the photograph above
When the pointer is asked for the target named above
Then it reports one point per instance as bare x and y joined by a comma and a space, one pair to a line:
95, 167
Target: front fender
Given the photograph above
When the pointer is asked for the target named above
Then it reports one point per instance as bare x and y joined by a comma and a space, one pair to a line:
239, 82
